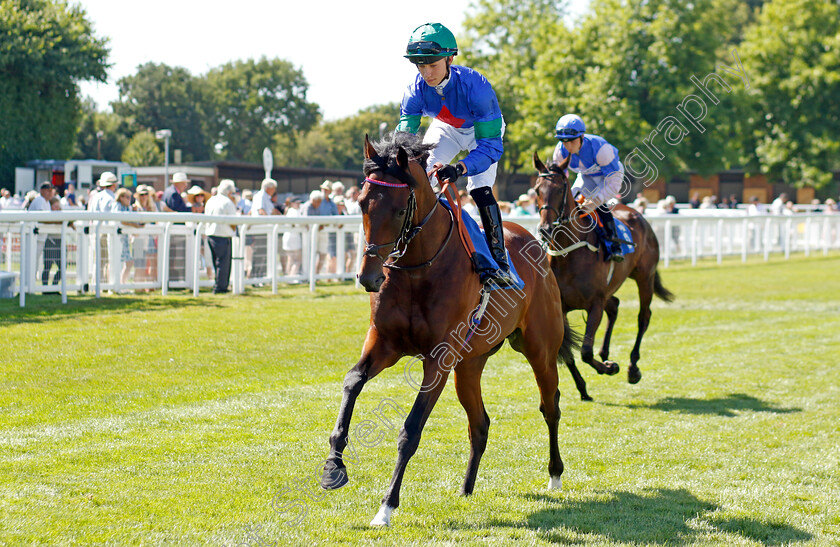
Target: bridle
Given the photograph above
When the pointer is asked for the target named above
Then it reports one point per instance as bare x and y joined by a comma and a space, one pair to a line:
560, 219
407, 232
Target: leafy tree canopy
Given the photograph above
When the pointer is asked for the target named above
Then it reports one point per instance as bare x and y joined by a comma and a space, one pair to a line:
159, 96
49, 41
101, 135
793, 54
251, 102
143, 149
46, 47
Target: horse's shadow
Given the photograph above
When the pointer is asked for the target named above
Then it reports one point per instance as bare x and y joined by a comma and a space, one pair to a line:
720, 406
665, 516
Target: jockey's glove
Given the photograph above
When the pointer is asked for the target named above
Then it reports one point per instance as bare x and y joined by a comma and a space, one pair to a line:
450, 173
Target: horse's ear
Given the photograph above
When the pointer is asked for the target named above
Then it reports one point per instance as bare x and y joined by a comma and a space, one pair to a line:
402, 158
538, 164
370, 151
563, 165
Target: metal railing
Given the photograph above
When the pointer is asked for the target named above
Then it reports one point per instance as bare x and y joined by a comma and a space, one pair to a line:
95, 252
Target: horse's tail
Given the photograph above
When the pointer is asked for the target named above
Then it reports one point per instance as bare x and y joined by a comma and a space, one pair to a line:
660, 290
571, 342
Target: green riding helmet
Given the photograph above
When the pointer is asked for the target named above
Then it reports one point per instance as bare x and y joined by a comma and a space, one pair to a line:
429, 43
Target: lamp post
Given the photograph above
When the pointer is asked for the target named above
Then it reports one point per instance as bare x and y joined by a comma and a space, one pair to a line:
99, 135
165, 134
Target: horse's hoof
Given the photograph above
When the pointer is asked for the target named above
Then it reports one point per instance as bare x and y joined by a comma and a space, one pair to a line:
555, 483
612, 367
383, 517
634, 375
585, 397
334, 477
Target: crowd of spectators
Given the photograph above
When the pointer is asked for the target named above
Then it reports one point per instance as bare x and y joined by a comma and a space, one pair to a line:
139, 252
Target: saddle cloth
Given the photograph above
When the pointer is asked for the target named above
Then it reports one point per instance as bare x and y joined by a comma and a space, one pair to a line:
485, 258
624, 234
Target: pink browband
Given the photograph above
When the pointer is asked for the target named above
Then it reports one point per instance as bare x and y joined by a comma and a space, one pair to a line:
389, 184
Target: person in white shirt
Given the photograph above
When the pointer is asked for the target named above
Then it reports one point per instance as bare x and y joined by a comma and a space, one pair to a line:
351, 201
778, 205
103, 201
262, 205
41, 202
292, 242
220, 235
6, 199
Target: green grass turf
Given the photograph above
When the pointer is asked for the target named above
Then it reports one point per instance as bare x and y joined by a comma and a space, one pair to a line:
159, 421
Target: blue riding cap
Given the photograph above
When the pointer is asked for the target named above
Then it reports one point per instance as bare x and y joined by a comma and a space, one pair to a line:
569, 127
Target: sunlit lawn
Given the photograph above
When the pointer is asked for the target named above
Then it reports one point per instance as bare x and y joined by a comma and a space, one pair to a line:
150, 420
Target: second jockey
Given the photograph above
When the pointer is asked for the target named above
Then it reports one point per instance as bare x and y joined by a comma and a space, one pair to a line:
600, 173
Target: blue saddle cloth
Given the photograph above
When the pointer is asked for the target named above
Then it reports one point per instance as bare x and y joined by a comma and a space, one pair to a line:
484, 258
624, 234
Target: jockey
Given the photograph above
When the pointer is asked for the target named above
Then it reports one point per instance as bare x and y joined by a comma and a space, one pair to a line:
600, 173
466, 117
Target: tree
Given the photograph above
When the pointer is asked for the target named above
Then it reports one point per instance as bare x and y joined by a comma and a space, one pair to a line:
143, 149
250, 102
46, 48
625, 69
113, 130
503, 39
338, 144
632, 68
164, 97
793, 55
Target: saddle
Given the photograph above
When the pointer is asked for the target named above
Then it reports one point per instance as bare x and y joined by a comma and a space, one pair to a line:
473, 240
622, 235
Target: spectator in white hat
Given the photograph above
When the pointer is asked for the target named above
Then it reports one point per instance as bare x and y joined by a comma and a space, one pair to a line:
174, 203
172, 200
337, 189
103, 200
196, 198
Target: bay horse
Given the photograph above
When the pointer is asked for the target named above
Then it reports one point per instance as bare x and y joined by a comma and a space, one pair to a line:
423, 292
588, 282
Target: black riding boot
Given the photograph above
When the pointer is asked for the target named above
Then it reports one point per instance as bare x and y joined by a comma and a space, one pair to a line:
612, 241
491, 218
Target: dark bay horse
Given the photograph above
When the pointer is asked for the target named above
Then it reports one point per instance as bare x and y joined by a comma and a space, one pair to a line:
423, 292
587, 282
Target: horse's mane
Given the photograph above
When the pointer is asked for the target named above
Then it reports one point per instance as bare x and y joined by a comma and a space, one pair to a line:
386, 150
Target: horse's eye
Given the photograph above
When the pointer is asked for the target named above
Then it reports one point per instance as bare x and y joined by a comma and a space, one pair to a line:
401, 213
